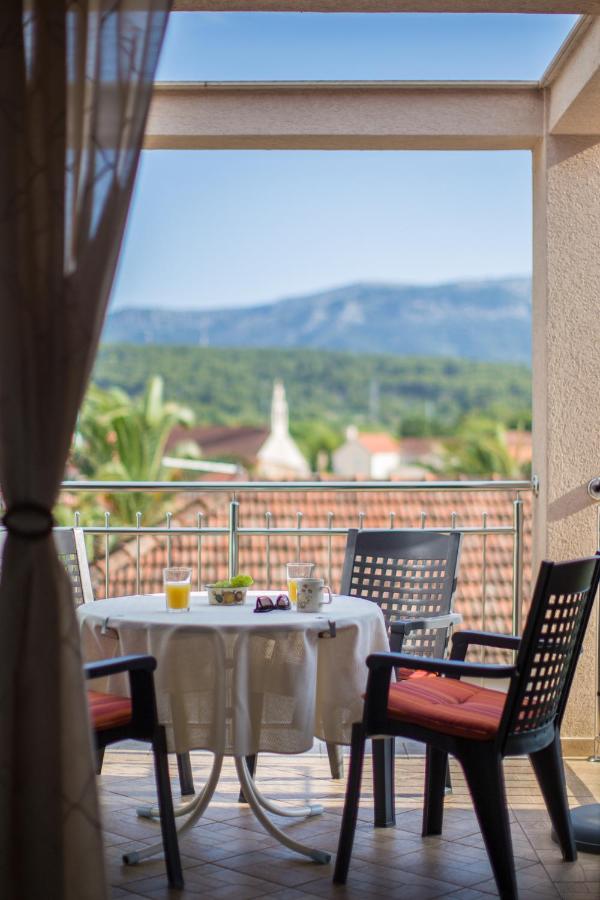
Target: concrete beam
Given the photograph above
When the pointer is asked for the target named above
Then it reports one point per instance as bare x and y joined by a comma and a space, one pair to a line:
386, 6
574, 87
346, 116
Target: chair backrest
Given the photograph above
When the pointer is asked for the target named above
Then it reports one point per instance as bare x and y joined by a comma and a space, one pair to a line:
409, 573
70, 548
550, 646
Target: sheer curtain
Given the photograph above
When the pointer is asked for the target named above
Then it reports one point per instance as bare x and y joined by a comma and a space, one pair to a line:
75, 86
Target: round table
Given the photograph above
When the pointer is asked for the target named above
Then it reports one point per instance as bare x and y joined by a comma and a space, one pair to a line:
237, 683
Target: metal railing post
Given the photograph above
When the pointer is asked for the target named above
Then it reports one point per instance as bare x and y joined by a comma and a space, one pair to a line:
233, 538
517, 585
169, 544
138, 547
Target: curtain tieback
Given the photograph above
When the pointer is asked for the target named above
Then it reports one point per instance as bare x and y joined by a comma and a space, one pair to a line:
28, 520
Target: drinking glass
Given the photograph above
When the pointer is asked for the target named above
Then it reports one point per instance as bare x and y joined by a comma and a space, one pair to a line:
178, 583
297, 570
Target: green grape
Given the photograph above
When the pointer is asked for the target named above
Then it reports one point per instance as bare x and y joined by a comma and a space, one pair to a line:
241, 581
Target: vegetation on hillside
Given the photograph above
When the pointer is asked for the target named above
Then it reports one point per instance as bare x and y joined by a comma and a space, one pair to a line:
125, 420
404, 395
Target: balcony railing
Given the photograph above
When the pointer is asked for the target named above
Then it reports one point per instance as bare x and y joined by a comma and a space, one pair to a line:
234, 532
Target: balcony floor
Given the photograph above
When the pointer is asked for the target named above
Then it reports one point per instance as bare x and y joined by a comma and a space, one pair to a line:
228, 855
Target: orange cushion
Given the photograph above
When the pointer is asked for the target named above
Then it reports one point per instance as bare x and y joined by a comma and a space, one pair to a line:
402, 673
108, 711
447, 705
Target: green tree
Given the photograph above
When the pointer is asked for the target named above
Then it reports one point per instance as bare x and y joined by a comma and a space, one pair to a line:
316, 439
478, 450
121, 438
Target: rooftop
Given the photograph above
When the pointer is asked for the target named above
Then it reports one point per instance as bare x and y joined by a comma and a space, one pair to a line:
240, 441
378, 442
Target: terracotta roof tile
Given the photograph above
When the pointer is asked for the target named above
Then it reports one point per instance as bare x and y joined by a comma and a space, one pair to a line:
241, 442
378, 442
414, 447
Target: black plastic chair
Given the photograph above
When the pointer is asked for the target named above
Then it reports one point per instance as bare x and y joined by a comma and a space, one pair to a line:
411, 574
481, 731
122, 718
70, 547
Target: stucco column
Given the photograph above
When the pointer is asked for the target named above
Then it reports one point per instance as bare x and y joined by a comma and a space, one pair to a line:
566, 381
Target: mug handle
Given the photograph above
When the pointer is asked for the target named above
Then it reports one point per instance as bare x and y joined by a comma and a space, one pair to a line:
328, 589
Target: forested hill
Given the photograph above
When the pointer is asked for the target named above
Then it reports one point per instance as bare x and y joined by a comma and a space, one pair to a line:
485, 320
235, 386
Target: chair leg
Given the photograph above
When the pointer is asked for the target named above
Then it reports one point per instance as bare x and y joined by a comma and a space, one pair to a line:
186, 779
550, 773
482, 766
383, 783
448, 783
336, 760
99, 759
251, 763
346, 839
165, 805
436, 777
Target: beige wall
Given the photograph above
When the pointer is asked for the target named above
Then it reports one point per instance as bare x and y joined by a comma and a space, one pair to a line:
566, 377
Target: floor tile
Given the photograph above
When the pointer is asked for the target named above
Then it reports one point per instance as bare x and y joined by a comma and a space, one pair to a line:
228, 854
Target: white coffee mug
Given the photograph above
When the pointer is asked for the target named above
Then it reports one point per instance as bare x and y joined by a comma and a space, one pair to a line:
310, 594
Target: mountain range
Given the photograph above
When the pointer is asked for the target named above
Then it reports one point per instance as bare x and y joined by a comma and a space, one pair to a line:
484, 320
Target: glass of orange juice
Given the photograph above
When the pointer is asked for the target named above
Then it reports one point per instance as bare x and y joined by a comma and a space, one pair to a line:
294, 571
178, 584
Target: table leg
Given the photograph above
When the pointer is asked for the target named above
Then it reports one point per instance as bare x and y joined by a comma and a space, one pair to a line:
195, 807
179, 809
249, 788
292, 812
255, 800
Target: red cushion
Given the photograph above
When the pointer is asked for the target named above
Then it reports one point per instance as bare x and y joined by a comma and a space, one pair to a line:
447, 705
402, 674
108, 711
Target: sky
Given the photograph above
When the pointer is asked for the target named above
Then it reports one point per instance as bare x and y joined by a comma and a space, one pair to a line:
235, 228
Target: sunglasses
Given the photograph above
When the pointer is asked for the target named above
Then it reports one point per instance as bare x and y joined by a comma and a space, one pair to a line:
267, 604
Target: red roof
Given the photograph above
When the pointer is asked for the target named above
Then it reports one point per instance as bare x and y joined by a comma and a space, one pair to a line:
415, 447
378, 442
519, 445
240, 442
267, 567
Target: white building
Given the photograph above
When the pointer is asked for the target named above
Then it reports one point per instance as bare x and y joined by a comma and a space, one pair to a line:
280, 456
374, 455
269, 453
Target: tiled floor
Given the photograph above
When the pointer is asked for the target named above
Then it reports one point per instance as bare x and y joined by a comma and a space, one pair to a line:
228, 855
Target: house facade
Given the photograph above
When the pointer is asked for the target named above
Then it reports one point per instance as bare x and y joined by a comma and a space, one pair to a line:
372, 455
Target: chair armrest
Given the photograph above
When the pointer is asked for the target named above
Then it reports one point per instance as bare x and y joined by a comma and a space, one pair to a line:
399, 628
105, 667
405, 626
461, 640
140, 669
454, 668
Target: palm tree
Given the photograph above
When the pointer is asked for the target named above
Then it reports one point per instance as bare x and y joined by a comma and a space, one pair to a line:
122, 438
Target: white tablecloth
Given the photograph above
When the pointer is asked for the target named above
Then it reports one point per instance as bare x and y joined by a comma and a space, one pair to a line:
236, 682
